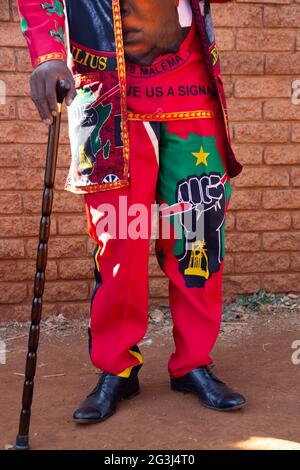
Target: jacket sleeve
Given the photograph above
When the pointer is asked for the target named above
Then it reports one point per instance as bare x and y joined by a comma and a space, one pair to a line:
43, 26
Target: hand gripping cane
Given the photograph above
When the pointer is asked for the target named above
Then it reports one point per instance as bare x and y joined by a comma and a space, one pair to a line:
22, 440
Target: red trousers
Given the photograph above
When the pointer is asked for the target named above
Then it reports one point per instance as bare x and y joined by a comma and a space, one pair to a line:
180, 164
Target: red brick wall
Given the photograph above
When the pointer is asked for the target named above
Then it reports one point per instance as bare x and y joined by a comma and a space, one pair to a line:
260, 51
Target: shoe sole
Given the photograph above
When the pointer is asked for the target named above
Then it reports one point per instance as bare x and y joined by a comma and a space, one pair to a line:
92, 421
233, 408
100, 420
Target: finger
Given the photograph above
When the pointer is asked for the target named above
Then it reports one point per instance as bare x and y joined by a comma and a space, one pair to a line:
38, 94
195, 190
216, 191
215, 188
50, 87
204, 182
71, 94
183, 192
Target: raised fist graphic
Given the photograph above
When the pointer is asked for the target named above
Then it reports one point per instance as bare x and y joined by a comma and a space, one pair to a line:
202, 220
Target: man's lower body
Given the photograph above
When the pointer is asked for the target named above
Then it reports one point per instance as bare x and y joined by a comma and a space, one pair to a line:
182, 166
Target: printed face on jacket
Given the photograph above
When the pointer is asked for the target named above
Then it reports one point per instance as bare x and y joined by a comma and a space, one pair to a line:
151, 28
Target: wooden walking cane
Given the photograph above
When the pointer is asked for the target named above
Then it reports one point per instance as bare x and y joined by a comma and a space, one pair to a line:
22, 440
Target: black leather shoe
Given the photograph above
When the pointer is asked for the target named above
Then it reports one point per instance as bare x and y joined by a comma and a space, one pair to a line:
102, 402
212, 392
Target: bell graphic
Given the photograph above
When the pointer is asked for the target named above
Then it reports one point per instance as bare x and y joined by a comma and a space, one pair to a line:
198, 265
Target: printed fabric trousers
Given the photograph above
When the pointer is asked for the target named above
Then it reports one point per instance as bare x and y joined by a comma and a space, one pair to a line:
180, 164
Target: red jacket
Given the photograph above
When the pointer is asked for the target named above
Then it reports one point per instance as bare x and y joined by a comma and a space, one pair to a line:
96, 57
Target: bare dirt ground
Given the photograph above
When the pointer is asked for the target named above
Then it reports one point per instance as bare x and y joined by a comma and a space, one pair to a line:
253, 354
